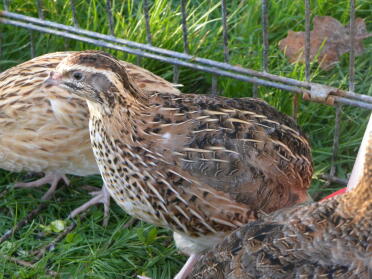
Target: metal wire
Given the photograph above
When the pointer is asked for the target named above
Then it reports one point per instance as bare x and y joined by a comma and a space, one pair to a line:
265, 36
65, 44
176, 73
352, 47
138, 60
353, 95
295, 106
1, 42
214, 86
345, 101
147, 21
208, 62
336, 141
218, 68
32, 44
336, 138
334, 179
255, 91
224, 31
39, 5
184, 27
307, 40
265, 43
296, 100
73, 9
6, 5
110, 18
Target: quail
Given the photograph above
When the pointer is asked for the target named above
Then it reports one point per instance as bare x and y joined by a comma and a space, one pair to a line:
327, 239
199, 165
47, 130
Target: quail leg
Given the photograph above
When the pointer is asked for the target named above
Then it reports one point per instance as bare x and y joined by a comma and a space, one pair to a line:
103, 197
51, 178
188, 266
185, 270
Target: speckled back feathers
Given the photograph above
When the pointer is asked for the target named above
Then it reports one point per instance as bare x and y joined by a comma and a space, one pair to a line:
328, 239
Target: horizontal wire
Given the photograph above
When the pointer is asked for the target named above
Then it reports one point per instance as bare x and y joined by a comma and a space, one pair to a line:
176, 61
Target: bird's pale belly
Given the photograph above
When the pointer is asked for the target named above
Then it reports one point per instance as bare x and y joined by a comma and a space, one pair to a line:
131, 204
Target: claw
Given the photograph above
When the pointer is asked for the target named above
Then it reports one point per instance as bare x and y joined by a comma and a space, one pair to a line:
51, 178
102, 196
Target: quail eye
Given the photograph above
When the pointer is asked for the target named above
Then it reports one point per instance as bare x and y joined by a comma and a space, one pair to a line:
77, 76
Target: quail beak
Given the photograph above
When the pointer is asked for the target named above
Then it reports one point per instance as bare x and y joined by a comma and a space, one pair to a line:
54, 79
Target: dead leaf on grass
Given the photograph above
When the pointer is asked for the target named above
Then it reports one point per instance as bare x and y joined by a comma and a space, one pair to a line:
329, 39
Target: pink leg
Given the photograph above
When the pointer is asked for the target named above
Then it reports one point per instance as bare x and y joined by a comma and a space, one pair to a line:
49, 178
188, 266
185, 270
102, 196
53, 178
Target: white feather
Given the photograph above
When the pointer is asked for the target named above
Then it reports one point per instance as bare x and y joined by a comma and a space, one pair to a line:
358, 168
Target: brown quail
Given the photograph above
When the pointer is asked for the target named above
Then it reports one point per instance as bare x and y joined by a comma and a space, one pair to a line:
199, 165
327, 239
47, 130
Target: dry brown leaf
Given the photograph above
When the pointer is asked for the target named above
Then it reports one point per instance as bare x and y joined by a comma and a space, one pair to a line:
329, 39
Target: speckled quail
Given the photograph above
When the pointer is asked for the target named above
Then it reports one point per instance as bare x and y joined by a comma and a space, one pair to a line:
200, 165
327, 239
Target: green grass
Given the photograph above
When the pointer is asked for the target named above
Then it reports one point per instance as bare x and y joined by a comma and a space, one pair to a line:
91, 251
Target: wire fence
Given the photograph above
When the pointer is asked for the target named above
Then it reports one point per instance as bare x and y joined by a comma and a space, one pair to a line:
309, 91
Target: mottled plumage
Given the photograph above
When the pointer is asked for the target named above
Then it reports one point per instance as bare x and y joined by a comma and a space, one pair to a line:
328, 239
47, 130
200, 165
